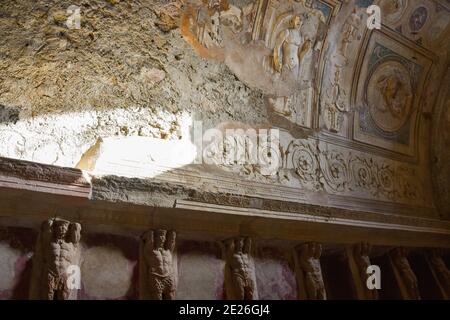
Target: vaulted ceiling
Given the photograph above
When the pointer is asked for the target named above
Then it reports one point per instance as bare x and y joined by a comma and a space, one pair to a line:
358, 107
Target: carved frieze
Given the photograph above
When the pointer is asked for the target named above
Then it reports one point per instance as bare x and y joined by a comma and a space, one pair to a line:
320, 167
56, 262
157, 265
271, 45
335, 97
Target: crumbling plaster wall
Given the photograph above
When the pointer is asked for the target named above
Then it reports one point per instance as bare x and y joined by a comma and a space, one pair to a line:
126, 72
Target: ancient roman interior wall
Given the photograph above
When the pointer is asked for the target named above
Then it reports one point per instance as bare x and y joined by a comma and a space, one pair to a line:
119, 125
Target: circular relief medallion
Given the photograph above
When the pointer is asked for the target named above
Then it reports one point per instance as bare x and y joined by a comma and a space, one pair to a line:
389, 96
418, 19
393, 9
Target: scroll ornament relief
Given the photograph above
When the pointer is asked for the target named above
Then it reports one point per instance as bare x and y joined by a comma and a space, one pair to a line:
405, 275
240, 278
157, 270
317, 167
309, 272
57, 251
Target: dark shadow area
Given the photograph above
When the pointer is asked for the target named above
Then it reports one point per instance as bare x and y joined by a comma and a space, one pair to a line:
389, 287
337, 277
428, 287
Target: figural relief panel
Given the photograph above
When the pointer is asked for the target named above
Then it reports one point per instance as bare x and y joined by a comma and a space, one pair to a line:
388, 95
271, 45
344, 40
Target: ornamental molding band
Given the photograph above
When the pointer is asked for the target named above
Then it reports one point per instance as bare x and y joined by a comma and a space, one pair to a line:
240, 277
308, 272
56, 261
157, 265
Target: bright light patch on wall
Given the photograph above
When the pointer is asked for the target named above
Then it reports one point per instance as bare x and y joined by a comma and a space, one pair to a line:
137, 156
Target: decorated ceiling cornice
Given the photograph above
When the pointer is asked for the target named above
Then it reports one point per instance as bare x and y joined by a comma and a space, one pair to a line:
353, 106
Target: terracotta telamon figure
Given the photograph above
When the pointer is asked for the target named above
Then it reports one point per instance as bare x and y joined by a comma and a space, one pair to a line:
158, 273
399, 257
441, 270
361, 253
240, 280
307, 259
57, 249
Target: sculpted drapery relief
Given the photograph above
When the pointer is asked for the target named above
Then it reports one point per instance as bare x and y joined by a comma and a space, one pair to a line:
57, 250
157, 269
315, 166
309, 272
277, 46
240, 278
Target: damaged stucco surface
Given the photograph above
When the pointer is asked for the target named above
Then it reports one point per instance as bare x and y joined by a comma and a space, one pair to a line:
147, 70
126, 72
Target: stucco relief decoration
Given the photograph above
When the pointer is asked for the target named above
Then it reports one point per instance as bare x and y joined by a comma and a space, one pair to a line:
270, 45
157, 270
314, 166
240, 277
57, 256
335, 96
390, 95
